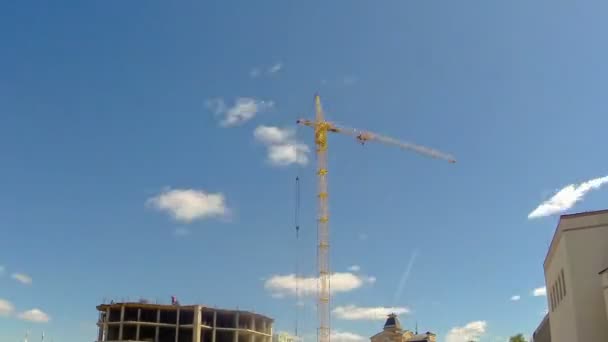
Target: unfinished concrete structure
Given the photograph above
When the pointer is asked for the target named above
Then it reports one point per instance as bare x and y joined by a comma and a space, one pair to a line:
147, 322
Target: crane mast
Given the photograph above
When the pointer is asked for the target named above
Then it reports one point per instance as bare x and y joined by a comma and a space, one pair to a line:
321, 128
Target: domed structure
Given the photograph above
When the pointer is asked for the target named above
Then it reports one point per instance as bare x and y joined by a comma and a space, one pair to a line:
393, 332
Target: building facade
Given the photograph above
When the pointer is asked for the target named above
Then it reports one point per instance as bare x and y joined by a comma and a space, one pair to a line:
145, 322
576, 285
543, 332
393, 332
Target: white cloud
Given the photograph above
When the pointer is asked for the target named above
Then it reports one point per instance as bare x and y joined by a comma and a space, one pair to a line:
282, 147
271, 135
355, 268
540, 292
22, 278
471, 331
6, 307
275, 68
515, 298
565, 198
307, 286
34, 315
243, 110
2, 270
187, 205
345, 336
352, 312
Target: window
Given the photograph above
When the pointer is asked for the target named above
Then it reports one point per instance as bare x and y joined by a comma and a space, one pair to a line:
563, 281
551, 294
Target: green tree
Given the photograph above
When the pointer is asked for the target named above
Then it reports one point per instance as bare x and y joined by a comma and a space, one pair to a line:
517, 338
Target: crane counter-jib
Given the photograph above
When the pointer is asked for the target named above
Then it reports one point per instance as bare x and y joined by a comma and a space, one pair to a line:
321, 128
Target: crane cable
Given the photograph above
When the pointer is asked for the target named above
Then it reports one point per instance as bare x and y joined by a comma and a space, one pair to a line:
297, 227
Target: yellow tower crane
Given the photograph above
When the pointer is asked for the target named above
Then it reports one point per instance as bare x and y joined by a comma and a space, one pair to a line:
321, 128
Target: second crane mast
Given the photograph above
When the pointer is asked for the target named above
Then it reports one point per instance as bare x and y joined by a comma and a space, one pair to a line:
321, 128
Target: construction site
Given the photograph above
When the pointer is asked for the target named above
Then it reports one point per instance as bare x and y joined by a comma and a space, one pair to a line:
198, 323
141, 321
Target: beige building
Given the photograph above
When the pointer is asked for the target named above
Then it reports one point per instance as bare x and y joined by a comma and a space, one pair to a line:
543, 332
393, 332
146, 322
576, 278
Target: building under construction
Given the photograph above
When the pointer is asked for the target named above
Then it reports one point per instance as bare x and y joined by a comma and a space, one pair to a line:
141, 321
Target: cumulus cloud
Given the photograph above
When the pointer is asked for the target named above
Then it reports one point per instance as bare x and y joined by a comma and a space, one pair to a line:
355, 268
275, 68
187, 205
345, 336
34, 315
471, 331
243, 110
282, 147
565, 198
540, 292
6, 308
515, 298
307, 286
356, 313
22, 278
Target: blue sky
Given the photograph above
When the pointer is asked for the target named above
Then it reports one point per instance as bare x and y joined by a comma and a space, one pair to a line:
128, 171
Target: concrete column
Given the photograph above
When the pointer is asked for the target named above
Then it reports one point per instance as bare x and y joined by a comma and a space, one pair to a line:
157, 321
122, 319
196, 325
100, 325
105, 325
138, 319
214, 326
270, 333
252, 327
177, 327
236, 332
264, 326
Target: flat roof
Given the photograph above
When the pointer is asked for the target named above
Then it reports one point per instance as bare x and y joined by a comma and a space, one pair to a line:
558, 230
153, 306
585, 213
